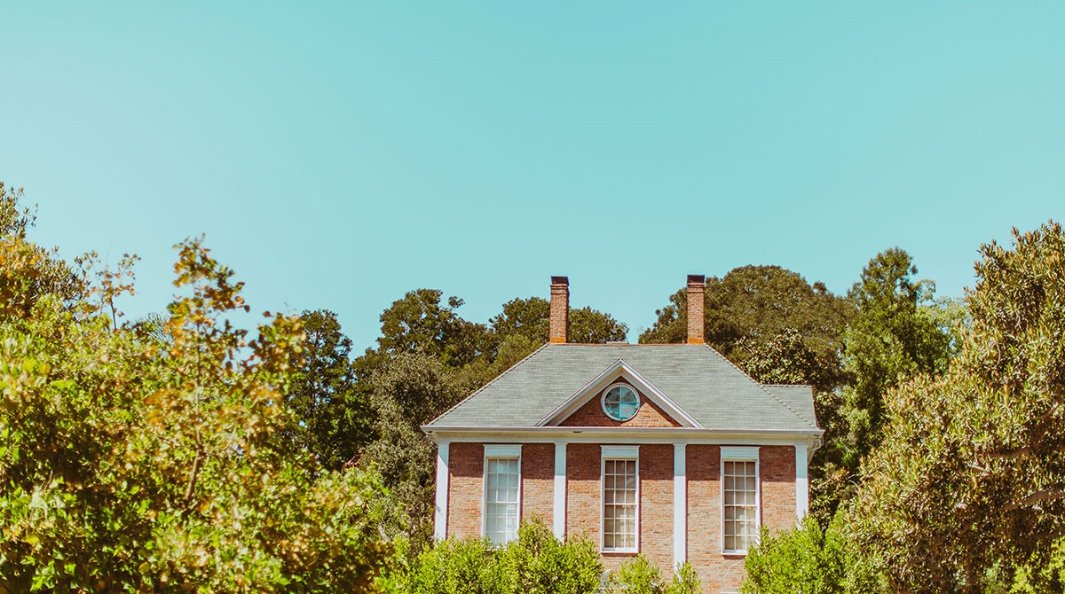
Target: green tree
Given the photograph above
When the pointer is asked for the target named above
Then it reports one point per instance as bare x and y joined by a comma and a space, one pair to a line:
130, 462
530, 318
969, 481
28, 271
334, 417
753, 305
894, 336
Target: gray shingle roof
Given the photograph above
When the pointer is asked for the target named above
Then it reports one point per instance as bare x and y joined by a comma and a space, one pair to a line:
713, 391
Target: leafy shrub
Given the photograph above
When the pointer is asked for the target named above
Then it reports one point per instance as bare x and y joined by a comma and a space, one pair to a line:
535, 563
640, 576
808, 560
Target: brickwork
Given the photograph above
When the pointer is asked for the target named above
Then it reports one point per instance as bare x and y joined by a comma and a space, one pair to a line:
558, 324
538, 481
465, 490
696, 323
777, 467
592, 415
718, 573
656, 504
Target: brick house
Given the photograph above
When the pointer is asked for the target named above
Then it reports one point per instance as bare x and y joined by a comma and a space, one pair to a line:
666, 450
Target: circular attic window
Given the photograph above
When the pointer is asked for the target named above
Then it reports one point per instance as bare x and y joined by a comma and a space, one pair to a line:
620, 402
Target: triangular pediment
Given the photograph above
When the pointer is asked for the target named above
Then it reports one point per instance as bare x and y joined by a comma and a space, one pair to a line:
619, 371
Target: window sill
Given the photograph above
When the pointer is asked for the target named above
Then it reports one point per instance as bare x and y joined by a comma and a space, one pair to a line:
734, 553
619, 551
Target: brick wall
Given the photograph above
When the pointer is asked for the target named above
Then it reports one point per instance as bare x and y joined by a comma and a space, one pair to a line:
777, 467
538, 481
465, 490
718, 573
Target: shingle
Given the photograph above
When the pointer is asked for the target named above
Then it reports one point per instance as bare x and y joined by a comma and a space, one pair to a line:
697, 378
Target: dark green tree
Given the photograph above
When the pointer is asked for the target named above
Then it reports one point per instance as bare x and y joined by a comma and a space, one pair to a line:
751, 306
334, 417
969, 480
530, 318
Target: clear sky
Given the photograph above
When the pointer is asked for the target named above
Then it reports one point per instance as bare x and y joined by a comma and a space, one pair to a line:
339, 154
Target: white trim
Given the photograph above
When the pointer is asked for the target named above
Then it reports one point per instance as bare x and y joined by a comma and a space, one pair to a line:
498, 452
502, 451
442, 475
618, 453
680, 504
736, 454
802, 482
602, 400
621, 452
560, 490
741, 454
620, 369
662, 435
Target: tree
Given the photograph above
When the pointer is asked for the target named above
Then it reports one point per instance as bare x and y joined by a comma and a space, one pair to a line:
751, 306
130, 463
28, 271
334, 418
969, 481
530, 318
408, 392
894, 336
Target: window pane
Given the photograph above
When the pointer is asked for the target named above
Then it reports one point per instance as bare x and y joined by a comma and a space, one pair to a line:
501, 500
740, 502
619, 504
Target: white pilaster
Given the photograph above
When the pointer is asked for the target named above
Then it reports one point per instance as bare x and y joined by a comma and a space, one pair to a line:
680, 504
802, 482
442, 475
560, 490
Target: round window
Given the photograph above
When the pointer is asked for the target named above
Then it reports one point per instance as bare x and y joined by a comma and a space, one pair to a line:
621, 402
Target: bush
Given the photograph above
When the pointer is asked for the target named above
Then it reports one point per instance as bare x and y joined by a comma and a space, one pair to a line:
640, 576
808, 560
535, 563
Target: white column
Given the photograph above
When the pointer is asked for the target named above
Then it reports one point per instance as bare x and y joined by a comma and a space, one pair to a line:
442, 475
802, 482
560, 490
680, 504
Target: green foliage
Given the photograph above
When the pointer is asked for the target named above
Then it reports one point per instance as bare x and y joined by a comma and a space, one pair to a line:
893, 337
808, 560
685, 581
28, 272
751, 305
333, 416
640, 576
137, 459
535, 563
530, 318
969, 482
636, 576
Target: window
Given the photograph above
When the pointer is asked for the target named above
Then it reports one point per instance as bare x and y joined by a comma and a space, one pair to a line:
739, 488
502, 493
621, 496
620, 402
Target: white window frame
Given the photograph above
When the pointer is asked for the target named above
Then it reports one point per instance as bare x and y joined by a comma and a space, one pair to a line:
602, 401
626, 453
741, 454
498, 452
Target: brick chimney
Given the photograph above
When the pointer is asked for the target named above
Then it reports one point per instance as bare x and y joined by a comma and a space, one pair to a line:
696, 288
559, 327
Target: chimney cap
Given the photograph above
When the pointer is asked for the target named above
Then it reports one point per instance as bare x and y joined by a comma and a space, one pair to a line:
560, 280
696, 279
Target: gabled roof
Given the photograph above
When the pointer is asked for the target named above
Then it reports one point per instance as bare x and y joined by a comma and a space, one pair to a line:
620, 369
696, 379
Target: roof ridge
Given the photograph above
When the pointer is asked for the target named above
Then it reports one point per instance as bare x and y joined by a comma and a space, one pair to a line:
762, 387
786, 385
490, 382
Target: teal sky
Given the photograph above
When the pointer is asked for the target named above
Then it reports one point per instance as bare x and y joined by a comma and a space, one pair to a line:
339, 154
